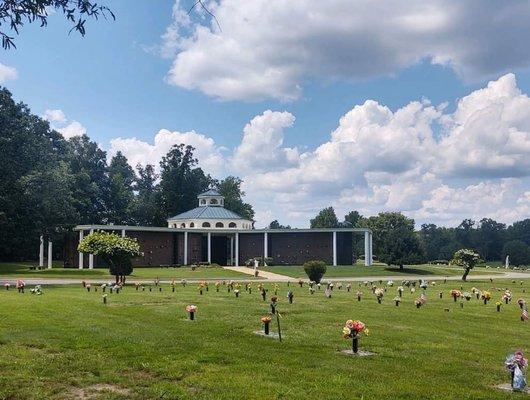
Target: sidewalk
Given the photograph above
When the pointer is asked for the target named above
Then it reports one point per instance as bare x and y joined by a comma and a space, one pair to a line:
271, 276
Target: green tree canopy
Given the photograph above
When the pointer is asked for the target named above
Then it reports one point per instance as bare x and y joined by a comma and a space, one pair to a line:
276, 225
518, 251
466, 259
326, 218
230, 188
121, 201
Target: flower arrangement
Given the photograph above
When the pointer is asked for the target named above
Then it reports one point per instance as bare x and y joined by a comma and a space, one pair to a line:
290, 296
486, 296
104, 298
319, 286
266, 320
352, 330
433, 283
397, 300
516, 363
455, 294
390, 283
339, 286
183, 282
521, 303
379, 293
348, 287
200, 288
7, 286
20, 286
400, 291
466, 295
236, 292
420, 301
359, 295
36, 290
412, 289
301, 282
191, 309
507, 296
424, 285
311, 290
88, 286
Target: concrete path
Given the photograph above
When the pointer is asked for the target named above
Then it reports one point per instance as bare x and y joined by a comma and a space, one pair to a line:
271, 276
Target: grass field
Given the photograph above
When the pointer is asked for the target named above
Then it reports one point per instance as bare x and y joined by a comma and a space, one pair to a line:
22, 270
360, 270
61, 345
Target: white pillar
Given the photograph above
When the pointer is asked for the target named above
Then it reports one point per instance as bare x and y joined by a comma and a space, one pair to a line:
80, 254
265, 245
91, 256
334, 248
209, 247
366, 249
41, 252
123, 233
237, 249
371, 259
50, 257
185, 247
231, 250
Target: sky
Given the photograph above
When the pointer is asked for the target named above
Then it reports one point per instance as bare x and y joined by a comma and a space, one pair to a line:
419, 106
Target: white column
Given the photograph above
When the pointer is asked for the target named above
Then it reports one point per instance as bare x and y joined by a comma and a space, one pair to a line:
231, 250
41, 252
91, 256
80, 254
371, 259
50, 257
265, 245
334, 248
237, 249
209, 247
123, 233
185, 247
366, 249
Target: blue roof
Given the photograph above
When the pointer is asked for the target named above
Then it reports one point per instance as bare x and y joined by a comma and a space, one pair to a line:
207, 212
209, 193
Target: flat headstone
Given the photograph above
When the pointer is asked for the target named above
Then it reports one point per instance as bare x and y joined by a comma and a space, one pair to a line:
508, 388
360, 353
271, 335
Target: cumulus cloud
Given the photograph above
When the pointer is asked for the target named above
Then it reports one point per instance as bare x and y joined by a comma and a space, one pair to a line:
140, 152
434, 165
269, 49
7, 73
59, 122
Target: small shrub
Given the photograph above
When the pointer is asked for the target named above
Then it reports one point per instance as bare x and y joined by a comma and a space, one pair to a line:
315, 270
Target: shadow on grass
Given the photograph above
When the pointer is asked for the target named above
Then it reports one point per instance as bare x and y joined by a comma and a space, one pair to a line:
411, 271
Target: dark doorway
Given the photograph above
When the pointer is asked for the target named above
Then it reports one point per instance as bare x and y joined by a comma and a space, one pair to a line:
219, 250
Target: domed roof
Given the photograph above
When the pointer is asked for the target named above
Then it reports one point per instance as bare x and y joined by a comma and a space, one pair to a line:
206, 212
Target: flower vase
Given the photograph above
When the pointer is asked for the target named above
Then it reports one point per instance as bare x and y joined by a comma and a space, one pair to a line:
521, 305
478, 295
264, 295
379, 300
485, 302
506, 300
290, 300
173, 289
358, 298
273, 309
88, 288
192, 315
441, 295
355, 343
200, 292
397, 303
160, 289
237, 294
266, 327
498, 308
249, 290
217, 289
454, 298
418, 305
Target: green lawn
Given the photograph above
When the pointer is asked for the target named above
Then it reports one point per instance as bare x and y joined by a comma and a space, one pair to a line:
142, 345
377, 270
22, 270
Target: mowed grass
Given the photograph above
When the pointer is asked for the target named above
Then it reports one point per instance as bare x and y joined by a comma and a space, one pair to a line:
22, 270
359, 270
66, 340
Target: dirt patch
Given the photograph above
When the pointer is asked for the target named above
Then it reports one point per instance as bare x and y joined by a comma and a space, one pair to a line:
93, 391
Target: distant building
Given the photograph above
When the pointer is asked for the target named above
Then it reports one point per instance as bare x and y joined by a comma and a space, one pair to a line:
212, 234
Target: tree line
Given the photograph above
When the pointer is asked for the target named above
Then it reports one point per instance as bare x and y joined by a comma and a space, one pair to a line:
395, 240
49, 184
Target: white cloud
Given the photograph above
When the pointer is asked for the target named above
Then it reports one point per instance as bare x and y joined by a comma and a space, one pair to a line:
59, 122
378, 159
271, 48
139, 152
7, 73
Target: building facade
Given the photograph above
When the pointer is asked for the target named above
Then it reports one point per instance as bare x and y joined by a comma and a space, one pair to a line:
212, 234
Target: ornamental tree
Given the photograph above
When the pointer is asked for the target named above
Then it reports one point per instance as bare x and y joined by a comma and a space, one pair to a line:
115, 250
466, 259
315, 270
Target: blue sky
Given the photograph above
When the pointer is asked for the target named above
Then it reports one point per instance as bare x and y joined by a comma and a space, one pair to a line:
116, 83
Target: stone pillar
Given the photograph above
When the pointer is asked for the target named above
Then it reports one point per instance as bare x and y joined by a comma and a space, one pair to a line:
334, 248
367, 249
50, 256
123, 233
91, 256
265, 245
41, 252
371, 259
80, 254
231, 250
185, 247
209, 247
237, 250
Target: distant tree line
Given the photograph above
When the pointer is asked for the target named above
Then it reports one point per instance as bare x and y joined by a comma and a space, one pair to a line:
49, 184
397, 242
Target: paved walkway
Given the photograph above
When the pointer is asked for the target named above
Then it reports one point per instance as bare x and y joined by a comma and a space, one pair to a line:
272, 277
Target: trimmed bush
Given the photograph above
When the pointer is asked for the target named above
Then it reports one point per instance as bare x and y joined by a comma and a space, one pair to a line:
315, 270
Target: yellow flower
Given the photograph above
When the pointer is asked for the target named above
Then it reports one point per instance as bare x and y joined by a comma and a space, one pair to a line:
366, 331
346, 332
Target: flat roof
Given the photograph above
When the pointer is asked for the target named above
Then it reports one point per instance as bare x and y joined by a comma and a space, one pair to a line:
214, 230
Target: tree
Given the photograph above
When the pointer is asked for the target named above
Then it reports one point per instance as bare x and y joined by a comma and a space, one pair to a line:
181, 181
121, 201
466, 259
276, 225
437, 243
230, 188
518, 251
115, 250
395, 242
489, 238
520, 230
326, 218
147, 211
315, 270
353, 218
14, 13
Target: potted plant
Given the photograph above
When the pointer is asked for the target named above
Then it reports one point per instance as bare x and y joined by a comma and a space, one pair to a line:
191, 309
